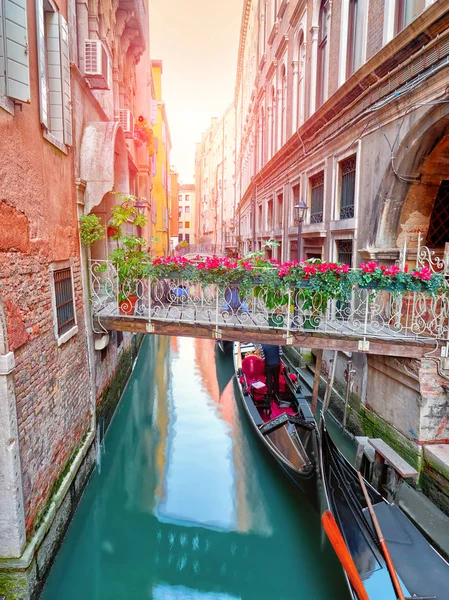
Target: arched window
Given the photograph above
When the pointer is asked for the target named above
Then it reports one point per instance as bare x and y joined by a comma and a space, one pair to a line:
261, 137
273, 122
301, 80
322, 55
283, 132
356, 32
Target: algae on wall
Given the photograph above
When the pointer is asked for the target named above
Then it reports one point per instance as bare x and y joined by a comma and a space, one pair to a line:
112, 394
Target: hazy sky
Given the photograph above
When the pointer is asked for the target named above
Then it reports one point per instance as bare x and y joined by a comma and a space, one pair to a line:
197, 40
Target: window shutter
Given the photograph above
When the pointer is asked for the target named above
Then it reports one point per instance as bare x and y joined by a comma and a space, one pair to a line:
2, 52
65, 79
16, 50
54, 75
42, 63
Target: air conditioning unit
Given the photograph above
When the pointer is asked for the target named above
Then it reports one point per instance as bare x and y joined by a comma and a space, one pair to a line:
96, 64
126, 120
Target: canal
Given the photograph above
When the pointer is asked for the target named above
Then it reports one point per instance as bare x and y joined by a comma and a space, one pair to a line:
184, 503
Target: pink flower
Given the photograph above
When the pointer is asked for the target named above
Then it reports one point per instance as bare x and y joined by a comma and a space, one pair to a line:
369, 267
393, 270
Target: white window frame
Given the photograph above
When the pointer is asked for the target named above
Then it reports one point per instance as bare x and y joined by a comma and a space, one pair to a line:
65, 337
308, 176
54, 75
344, 39
337, 159
14, 70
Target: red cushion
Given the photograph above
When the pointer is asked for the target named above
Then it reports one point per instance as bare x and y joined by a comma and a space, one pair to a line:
293, 377
253, 366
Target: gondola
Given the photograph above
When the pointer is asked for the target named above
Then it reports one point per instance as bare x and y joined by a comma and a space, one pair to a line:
285, 424
422, 573
225, 346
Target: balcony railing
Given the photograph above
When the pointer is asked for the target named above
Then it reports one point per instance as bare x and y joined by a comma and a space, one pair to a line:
369, 313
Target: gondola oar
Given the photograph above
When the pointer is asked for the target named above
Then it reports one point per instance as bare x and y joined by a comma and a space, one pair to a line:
336, 539
383, 544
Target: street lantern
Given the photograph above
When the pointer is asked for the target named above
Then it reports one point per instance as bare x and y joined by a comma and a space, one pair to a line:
300, 213
140, 206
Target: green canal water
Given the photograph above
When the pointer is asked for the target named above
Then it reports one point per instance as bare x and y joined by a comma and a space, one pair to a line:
184, 502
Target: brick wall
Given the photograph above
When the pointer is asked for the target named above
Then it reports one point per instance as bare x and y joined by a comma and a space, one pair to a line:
51, 383
375, 27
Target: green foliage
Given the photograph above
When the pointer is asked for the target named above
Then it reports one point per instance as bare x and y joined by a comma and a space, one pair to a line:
126, 213
91, 229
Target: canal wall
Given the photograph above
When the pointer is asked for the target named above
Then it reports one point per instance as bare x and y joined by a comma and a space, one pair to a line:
23, 578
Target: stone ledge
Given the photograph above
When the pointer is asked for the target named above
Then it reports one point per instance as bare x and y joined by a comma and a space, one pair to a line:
438, 456
7, 363
24, 561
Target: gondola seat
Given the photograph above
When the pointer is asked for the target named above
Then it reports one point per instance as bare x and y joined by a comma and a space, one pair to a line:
253, 369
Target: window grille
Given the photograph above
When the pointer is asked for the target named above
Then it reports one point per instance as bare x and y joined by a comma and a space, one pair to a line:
65, 310
345, 251
317, 198
438, 233
347, 193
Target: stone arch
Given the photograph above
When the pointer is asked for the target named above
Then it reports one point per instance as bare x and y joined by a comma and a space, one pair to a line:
103, 162
396, 197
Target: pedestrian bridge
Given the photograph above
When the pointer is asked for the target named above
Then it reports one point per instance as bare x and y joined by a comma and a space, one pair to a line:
409, 324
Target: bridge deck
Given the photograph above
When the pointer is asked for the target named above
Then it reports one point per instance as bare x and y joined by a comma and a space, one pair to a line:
336, 335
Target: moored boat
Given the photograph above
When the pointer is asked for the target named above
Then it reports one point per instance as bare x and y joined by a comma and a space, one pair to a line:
284, 424
422, 573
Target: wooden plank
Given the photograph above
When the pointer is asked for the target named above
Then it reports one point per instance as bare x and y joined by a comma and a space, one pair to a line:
401, 348
393, 458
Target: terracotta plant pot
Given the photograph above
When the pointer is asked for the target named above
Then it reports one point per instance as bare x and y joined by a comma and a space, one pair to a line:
128, 306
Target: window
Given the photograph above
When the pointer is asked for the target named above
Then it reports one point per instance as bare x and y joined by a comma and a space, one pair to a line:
187, 224
54, 73
187, 209
188, 238
64, 307
317, 198
347, 187
301, 81
180, 238
438, 233
270, 214
180, 211
14, 70
406, 12
272, 124
283, 131
180, 198
180, 225
280, 207
322, 55
187, 198
295, 201
259, 221
344, 252
354, 55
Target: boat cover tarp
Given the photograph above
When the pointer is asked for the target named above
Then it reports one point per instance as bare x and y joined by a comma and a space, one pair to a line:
419, 566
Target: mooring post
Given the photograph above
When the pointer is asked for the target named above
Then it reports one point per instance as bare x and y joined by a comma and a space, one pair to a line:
316, 380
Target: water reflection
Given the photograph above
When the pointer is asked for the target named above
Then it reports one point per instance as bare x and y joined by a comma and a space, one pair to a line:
187, 504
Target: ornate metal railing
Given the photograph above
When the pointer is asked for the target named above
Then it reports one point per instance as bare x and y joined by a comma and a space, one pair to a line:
367, 313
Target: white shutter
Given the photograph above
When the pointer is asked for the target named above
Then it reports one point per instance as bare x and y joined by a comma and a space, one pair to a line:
54, 74
65, 78
42, 63
16, 50
2, 52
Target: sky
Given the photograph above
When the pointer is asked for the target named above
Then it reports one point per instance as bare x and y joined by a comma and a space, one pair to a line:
197, 40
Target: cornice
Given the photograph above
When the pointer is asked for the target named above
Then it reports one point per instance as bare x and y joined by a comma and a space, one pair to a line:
297, 13
271, 70
282, 9
282, 46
